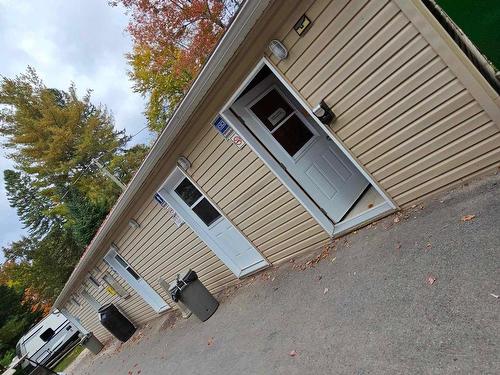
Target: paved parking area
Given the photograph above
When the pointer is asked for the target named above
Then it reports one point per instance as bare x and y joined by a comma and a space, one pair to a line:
367, 308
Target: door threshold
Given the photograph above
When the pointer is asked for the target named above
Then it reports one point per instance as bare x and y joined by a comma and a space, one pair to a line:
369, 215
253, 269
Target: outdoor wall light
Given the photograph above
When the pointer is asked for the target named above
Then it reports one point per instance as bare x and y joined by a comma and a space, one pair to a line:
183, 163
278, 49
132, 223
323, 112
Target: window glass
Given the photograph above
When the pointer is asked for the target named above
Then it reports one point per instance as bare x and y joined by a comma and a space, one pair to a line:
94, 281
121, 261
206, 212
293, 134
188, 192
47, 334
271, 109
133, 273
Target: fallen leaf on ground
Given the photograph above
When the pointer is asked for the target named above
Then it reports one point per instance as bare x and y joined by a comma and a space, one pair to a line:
431, 279
468, 217
293, 353
494, 295
370, 205
210, 341
325, 291
396, 219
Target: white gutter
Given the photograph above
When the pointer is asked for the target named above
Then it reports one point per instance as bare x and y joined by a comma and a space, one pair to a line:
246, 18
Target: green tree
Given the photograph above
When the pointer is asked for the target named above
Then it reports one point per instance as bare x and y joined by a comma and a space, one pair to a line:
53, 135
33, 208
172, 40
85, 216
16, 316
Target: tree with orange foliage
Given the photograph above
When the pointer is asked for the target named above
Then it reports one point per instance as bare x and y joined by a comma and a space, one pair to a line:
172, 40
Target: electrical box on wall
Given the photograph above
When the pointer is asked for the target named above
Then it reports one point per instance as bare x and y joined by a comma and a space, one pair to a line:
302, 25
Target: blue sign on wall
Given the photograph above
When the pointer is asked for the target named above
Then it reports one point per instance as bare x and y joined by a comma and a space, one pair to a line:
222, 126
160, 200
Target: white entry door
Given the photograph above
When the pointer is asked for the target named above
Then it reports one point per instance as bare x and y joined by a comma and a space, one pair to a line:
225, 240
300, 145
122, 268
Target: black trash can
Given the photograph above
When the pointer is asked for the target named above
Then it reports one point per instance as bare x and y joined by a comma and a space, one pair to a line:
191, 292
115, 322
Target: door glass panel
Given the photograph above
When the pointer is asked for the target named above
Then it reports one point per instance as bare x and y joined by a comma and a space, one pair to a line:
133, 273
293, 134
121, 261
188, 192
206, 212
271, 109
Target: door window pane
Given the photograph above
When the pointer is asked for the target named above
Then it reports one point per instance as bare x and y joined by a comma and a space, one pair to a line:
272, 109
121, 261
188, 192
206, 212
293, 134
133, 273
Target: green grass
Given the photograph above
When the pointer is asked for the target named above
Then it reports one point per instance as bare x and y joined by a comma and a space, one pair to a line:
70, 357
480, 20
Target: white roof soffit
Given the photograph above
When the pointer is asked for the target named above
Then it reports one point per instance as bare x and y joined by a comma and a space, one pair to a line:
246, 18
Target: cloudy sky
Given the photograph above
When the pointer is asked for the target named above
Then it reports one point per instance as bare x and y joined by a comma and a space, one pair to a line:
80, 41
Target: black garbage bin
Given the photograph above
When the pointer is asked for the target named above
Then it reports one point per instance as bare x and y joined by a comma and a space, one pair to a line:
191, 292
115, 322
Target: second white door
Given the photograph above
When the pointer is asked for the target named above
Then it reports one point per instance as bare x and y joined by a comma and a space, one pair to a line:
225, 240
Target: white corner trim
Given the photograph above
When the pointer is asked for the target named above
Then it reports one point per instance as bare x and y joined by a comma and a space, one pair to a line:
452, 55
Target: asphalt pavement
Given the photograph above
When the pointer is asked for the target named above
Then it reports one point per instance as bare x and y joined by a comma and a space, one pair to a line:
414, 293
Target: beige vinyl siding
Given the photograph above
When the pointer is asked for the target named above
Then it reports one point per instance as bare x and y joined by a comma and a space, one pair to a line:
400, 110
133, 306
253, 198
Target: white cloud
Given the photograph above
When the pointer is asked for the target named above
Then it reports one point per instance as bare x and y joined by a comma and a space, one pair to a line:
80, 41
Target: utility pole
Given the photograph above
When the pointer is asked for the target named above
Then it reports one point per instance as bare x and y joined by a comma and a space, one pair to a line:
109, 174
